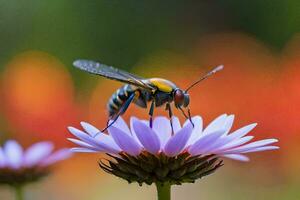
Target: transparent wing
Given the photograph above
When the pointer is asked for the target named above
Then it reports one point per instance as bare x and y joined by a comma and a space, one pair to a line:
111, 73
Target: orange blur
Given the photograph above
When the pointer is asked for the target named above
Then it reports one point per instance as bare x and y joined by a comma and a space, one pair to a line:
38, 96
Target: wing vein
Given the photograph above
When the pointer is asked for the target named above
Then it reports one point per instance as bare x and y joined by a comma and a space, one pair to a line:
111, 73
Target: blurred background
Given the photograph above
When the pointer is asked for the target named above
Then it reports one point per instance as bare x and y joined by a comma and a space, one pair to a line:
257, 41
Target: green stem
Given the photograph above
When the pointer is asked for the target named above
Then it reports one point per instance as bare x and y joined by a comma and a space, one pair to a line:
163, 191
19, 193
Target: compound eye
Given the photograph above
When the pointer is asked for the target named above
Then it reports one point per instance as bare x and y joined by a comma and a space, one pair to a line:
178, 96
186, 100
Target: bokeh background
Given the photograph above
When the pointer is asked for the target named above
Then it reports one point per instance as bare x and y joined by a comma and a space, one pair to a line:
257, 41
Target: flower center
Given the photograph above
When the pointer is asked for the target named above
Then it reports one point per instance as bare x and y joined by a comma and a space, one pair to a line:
148, 168
22, 176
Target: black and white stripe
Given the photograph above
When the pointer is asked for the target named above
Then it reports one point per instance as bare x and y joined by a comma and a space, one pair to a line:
118, 98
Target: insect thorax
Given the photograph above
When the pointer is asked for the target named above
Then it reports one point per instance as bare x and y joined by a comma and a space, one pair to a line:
162, 85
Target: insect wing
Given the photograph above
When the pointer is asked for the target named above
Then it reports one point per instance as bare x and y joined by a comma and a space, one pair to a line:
111, 73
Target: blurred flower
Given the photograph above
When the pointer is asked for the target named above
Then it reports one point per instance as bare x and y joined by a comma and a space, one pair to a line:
145, 155
36, 90
18, 167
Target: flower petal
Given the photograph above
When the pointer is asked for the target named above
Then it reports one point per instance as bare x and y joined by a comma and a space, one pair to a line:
14, 154
104, 142
197, 129
90, 129
59, 155
176, 143
132, 119
161, 125
146, 136
233, 144
37, 152
264, 148
176, 124
221, 141
82, 150
251, 146
121, 124
126, 142
242, 131
2, 158
238, 157
205, 141
228, 123
216, 124
85, 145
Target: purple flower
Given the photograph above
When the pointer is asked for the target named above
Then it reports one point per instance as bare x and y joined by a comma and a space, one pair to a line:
145, 155
18, 166
159, 155
215, 139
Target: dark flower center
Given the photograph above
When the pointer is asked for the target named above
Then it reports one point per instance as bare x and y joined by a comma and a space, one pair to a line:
22, 176
148, 168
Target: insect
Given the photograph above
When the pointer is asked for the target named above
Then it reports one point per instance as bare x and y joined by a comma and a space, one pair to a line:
140, 91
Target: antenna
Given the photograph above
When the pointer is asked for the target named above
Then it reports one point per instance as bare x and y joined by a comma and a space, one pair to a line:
218, 68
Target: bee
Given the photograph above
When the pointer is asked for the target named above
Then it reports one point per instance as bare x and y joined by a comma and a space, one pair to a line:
141, 91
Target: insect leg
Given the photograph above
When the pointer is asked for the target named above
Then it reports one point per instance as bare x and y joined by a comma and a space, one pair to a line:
187, 117
151, 113
168, 107
122, 110
182, 111
190, 118
111, 123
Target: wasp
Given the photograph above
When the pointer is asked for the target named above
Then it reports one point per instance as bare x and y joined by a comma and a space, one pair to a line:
141, 91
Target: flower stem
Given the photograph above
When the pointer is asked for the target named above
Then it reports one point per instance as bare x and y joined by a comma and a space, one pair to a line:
19, 193
163, 191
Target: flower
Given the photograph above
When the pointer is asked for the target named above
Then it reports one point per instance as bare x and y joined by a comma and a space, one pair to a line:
18, 167
145, 155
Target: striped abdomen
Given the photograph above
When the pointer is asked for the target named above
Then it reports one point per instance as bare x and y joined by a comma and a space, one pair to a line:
118, 99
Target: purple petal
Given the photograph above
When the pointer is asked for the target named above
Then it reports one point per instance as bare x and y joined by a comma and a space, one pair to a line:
146, 136
97, 136
264, 148
204, 141
232, 140
132, 119
216, 124
105, 142
238, 157
162, 127
59, 155
251, 146
106, 139
126, 142
228, 124
37, 152
176, 143
14, 154
221, 141
85, 145
2, 158
121, 124
82, 150
233, 144
176, 124
242, 131
197, 130
90, 129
